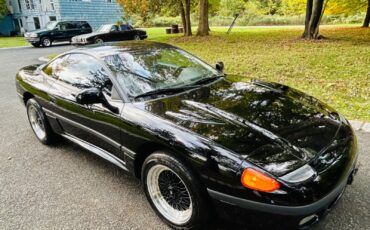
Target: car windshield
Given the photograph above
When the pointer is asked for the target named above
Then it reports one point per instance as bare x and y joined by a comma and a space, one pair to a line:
104, 28
50, 25
142, 71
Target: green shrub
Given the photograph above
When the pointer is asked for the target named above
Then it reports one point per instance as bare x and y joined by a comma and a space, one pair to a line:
252, 19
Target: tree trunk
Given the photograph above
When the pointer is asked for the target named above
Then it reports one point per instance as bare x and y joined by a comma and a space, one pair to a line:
367, 17
203, 26
314, 11
187, 27
183, 20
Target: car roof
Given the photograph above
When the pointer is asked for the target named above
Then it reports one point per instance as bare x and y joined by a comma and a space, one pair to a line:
110, 48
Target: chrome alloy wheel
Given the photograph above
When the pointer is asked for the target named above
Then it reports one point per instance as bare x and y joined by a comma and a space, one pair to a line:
46, 42
37, 122
99, 41
169, 194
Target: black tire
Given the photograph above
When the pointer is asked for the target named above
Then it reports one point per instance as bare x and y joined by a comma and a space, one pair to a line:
46, 42
49, 137
198, 219
98, 41
137, 37
35, 45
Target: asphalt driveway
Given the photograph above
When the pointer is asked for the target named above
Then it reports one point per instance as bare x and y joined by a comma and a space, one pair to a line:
66, 187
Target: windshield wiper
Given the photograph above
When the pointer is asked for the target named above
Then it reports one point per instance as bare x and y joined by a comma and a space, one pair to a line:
205, 80
165, 91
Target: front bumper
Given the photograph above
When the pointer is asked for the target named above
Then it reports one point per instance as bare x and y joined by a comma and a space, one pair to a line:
80, 41
33, 40
262, 215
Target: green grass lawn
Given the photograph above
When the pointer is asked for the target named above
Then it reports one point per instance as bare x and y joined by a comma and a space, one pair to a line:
335, 70
8, 42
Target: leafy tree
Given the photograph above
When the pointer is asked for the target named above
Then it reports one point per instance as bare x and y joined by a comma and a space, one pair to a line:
186, 5
314, 10
203, 26
269, 7
367, 17
345, 7
139, 7
148, 8
293, 7
3, 8
231, 7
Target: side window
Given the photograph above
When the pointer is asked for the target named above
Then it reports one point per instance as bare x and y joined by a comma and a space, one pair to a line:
80, 71
54, 68
70, 26
62, 26
85, 25
83, 71
114, 28
124, 28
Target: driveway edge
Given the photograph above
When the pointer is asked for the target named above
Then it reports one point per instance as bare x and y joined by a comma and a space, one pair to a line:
14, 47
360, 126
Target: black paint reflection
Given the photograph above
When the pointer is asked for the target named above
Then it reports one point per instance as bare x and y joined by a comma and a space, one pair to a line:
274, 126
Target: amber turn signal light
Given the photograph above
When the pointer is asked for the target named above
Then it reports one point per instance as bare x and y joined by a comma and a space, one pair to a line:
256, 180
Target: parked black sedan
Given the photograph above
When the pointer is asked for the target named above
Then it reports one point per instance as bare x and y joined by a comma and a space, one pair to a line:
257, 152
110, 33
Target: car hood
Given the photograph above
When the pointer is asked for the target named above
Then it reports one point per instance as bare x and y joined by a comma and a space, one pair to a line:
39, 31
272, 126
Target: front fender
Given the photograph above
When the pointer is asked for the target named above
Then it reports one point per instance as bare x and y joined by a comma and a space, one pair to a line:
214, 163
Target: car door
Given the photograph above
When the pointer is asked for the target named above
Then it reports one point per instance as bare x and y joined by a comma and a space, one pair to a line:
71, 30
95, 124
126, 33
58, 34
114, 34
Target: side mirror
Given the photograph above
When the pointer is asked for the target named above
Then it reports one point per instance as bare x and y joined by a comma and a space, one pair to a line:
90, 96
220, 66
94, 96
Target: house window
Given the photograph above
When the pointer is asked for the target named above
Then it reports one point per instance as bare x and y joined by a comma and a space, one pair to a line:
53, 18
52, 5
19, 6
30, 5
36, 20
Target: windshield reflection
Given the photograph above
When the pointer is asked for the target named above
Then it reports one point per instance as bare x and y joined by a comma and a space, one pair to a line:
50, 25
104, 29
142, 71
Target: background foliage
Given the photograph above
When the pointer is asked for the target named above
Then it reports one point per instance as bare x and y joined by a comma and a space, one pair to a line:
252, 12
3, 8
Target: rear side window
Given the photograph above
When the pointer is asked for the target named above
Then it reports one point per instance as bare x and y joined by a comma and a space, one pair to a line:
126, 27
80, 71
71, 25
83, 71
85, 25
55, 67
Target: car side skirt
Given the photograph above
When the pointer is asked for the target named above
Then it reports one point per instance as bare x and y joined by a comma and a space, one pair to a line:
96, 150
129, 156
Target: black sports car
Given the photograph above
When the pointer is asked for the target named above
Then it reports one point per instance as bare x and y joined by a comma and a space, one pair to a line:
256, 152
110, 33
